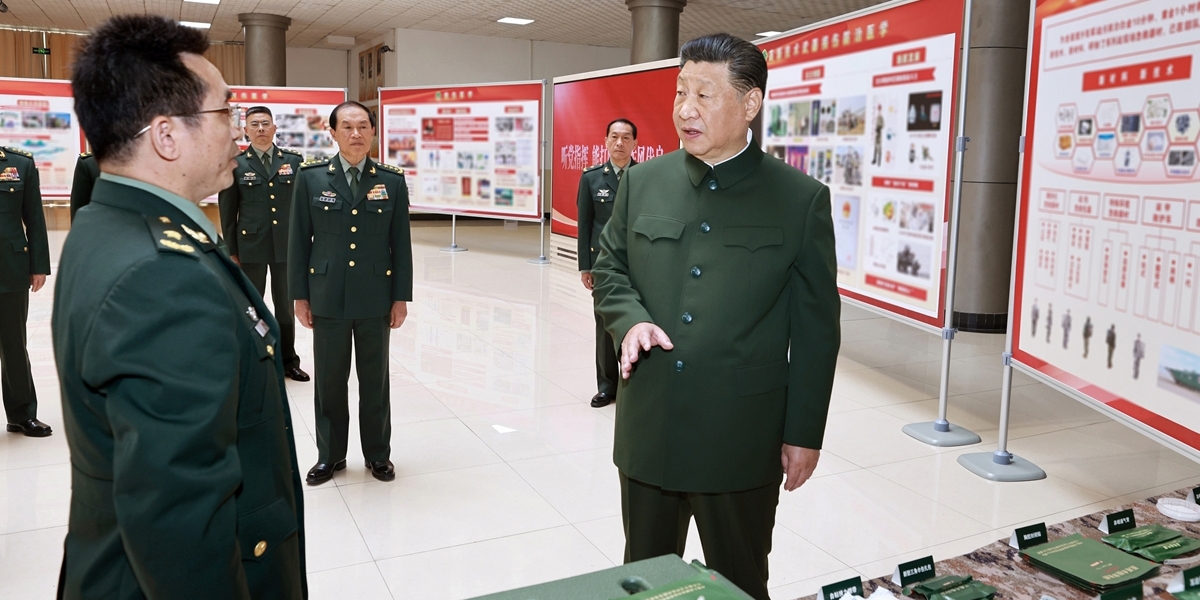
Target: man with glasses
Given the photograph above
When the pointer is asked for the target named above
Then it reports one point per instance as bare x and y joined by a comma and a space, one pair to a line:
255, 214
183, 469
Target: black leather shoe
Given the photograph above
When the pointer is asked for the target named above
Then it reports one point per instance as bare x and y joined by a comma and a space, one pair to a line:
31, 428
382, 470
322, 472
296, 374
601, 400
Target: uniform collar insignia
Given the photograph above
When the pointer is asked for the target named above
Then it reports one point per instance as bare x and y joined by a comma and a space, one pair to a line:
372, 171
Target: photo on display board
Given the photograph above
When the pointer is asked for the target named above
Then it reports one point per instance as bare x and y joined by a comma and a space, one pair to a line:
1179, 372
57, 120
797, 156
914, 259
815, 118
1086, 128
523, 124
33, 120
289, 139
852, 115
316, 123
916, 216
827, 123
483, 188
10, 120
402, 149
845, 230
925, 111
881, 211
504, 197
820, 165
800, 118
849, 166
290, 122
465, 160
777, 121
504, 124
779, 152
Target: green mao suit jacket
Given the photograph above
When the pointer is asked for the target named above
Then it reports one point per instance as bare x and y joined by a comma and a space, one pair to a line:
256, 209
24, 249
183, 468
734, 263
350, 256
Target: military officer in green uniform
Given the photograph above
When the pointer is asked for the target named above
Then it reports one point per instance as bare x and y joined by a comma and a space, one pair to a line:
254, 219
24, 265
350, 273
184, 481
717, 260
597, 192
87, 171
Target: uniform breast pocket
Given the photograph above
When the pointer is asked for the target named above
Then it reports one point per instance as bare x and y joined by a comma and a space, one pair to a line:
750, 250
327, 214
11, 195
654, 235
381, 214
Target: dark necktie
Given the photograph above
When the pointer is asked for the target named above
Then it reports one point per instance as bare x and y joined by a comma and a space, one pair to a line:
353, 171
266, 160
619, 171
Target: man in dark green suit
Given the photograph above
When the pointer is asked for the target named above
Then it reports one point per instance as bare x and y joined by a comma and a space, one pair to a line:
350, 273
24, 265
717, 260
254, 219
87, 171
183, 470
597, 192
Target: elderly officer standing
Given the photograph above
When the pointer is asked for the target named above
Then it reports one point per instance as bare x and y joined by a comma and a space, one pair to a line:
254, 219
183, 470
350, 273
24, 265
597, 192
716, 262
87, 171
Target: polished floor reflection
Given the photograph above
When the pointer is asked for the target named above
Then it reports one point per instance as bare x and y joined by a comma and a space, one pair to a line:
505, 475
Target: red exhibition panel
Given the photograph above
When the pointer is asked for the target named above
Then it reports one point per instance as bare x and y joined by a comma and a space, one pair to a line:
866, 106
1108, 238
467, 149
583, 108
38, 116
301, 116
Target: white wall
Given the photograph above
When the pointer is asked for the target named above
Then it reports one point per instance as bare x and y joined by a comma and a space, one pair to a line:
551, 59
317, 67
389, 65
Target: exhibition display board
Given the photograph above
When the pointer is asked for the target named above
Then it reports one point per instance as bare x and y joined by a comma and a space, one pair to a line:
585, 104
1108, 239
866, 105
38, 116
467, 149
301, 116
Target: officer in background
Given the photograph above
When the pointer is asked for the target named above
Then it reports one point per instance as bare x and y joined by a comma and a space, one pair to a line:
254, 219
24, 265
87, 171
350, 273
597, 192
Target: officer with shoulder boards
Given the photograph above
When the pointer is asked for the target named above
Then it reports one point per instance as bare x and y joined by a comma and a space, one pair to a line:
87, 171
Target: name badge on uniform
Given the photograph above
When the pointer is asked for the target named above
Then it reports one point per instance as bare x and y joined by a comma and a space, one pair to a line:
262, 328
379, 192
328, 196
250, 176
286, 169
10, 174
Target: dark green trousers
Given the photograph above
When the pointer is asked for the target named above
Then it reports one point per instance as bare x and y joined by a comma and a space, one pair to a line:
735, 528
332, 340
284, 312
607, 369
16, 377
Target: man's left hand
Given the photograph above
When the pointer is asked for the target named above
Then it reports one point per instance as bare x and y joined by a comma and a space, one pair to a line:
36, 282
799, 464
399, 314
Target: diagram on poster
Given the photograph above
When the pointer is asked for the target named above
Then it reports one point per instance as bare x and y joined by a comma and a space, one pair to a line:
301, 116
1109, 232
467, 149
38, 116
864, 106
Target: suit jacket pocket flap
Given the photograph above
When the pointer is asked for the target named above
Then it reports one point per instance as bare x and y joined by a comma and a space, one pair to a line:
11, 186
262, 529
249, 228
318, 267
383, 269
762, 378
20, 246
752, 238
655, 227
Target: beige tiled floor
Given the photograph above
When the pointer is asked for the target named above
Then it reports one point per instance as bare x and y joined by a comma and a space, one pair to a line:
506, 477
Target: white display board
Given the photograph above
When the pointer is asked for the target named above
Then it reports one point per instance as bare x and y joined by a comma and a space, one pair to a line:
38, 116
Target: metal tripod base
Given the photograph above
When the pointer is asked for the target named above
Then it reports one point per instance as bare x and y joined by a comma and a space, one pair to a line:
1001, 466
930, 433
541, 260
453, 248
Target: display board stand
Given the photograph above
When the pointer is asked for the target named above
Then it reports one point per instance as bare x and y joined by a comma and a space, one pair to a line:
541, 259
453, 247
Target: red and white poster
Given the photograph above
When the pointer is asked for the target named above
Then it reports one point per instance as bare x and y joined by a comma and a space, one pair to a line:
38, 116
467, 149
301, 116
866, 106
1108, 239
585, 104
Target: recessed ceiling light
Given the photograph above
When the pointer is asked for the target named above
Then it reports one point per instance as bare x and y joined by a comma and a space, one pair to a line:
515, 21
768, 33
195, 24
204, 1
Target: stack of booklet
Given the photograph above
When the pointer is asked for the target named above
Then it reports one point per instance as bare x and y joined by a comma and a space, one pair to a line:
1088, 564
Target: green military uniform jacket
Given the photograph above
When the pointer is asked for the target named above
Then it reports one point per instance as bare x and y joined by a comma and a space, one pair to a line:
87, 171
597, 193
184, 481
350, 256
734, 264
24, 249
256, 209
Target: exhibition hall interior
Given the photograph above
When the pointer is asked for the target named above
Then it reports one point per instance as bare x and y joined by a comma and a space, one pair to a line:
965, 327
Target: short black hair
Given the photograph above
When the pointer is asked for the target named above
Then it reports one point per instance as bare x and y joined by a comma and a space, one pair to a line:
254, 110
129, 71
347, 104
746, 63
608, 130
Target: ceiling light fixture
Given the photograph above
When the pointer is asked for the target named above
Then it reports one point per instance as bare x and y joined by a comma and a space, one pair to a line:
195, 24
340, 40
204, 1
768, 33
514, 21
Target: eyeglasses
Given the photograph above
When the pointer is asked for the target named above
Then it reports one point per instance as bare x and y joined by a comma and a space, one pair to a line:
234, 110
259, 125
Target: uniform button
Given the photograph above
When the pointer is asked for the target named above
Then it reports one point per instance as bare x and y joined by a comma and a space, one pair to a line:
352, 263
270, 351
273, 209
695, 271
274, 222
353, 229
352, 246
243, 232
326, 208
679, 365
261, 547
389, 272
272, 184
705, 228
712, 185
312, 270
272, 196
354, 212
687, 317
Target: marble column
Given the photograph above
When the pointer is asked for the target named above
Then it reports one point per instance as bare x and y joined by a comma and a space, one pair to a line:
266, 48
655, 29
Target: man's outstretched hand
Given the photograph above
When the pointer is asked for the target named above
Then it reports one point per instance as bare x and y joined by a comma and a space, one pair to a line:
639, 338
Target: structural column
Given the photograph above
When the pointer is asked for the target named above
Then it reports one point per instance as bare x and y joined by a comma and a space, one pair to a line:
655, 29
266, 48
